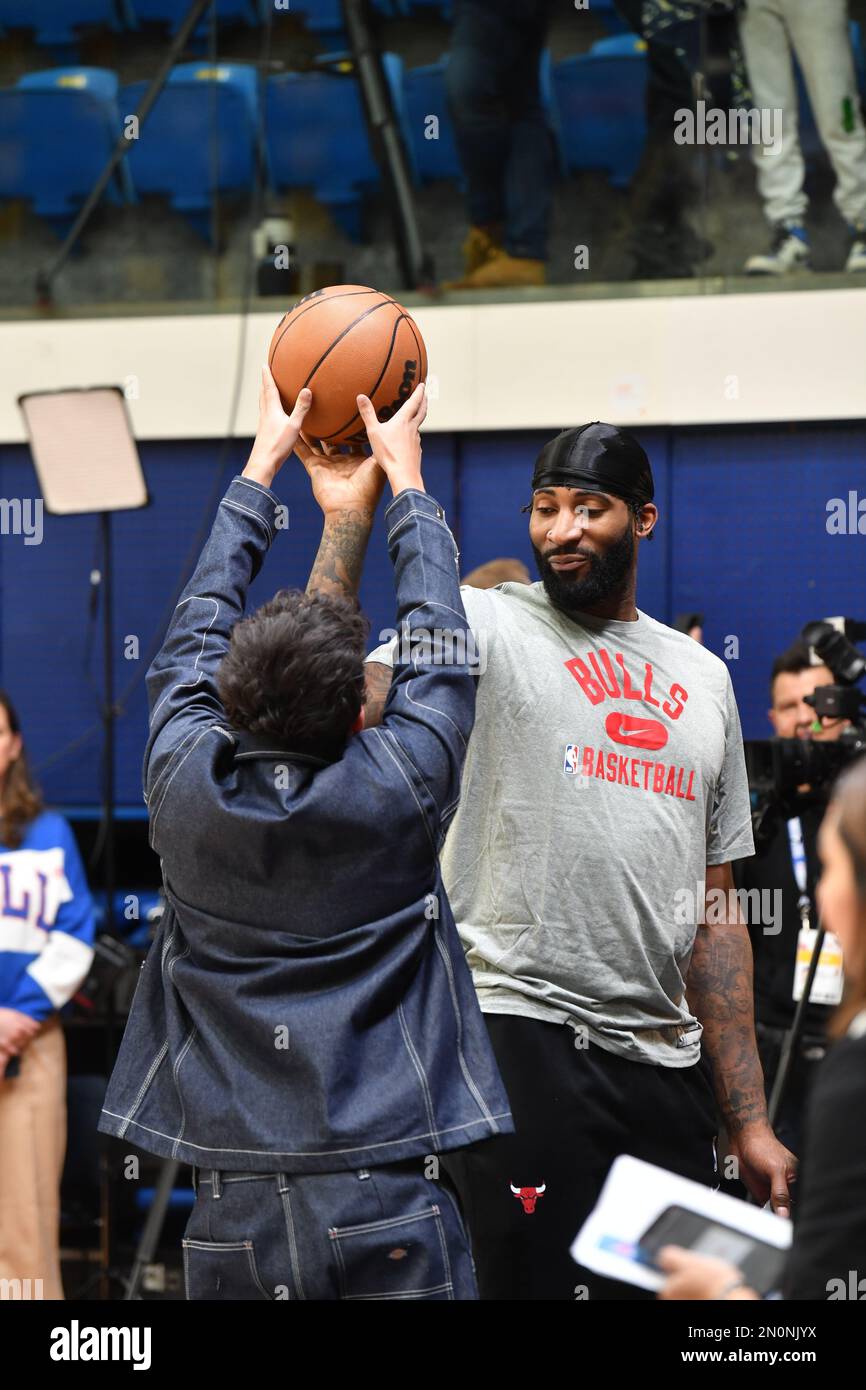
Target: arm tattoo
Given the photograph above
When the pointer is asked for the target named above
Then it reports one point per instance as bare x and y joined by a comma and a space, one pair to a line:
378, 683
340, 558
720, 995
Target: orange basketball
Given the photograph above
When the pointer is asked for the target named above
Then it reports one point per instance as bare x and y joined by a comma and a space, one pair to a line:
345, 341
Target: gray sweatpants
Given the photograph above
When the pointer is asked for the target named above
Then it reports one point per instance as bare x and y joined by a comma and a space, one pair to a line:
817, 32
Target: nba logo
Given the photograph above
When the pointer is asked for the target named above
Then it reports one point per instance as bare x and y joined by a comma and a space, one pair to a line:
571, 759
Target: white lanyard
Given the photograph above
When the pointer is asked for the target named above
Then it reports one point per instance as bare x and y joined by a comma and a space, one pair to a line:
827, 983
798, 862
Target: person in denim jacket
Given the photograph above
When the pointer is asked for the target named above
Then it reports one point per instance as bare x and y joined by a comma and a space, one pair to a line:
305, 1032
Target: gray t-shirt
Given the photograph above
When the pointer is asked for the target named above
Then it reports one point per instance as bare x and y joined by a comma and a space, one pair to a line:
604, 772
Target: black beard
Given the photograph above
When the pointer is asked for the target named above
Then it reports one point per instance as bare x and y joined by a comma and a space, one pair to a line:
571, 592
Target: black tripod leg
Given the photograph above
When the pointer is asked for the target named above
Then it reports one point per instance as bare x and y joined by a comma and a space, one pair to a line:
387, 145
793, 1035
153, 1225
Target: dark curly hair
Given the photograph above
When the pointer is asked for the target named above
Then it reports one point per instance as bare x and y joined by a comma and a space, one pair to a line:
22, 799
295, 669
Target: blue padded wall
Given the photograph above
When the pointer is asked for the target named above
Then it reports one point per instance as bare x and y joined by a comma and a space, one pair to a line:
751, 547
742, 536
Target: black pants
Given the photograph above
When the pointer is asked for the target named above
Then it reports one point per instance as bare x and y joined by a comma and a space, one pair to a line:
503, 140
575, 1110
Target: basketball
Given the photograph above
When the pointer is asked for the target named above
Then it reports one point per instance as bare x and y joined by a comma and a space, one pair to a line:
345, 341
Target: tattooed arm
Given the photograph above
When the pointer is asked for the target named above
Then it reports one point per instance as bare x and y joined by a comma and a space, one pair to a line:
720, 995
340, 557
348, 491
347, 487
378, 683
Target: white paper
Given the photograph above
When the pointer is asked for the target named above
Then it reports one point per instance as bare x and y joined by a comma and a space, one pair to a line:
634, 1195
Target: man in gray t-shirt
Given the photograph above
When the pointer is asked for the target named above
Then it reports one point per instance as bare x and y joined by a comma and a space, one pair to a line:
603, 798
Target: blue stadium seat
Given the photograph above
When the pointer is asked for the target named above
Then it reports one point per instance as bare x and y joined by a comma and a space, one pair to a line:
316, 136
617, 45
100, 82
200, 137
173, 12
600, 112
57, 129
56, 21
424, 95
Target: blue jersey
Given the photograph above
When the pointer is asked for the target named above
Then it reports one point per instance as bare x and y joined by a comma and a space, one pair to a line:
46, 919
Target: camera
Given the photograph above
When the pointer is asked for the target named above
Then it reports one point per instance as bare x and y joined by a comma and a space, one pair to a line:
786, 773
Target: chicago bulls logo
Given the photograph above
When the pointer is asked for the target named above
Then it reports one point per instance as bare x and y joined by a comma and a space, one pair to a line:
528, 1196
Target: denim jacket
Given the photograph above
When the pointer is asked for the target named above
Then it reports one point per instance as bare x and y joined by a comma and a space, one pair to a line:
306, 1004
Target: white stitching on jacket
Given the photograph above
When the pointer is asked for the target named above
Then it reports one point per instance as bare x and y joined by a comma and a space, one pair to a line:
409, 785
174, 774
193, 598
416, 1062
239, 507
315, 1153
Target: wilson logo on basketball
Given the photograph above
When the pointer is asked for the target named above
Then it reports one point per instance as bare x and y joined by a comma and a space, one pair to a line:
407, 386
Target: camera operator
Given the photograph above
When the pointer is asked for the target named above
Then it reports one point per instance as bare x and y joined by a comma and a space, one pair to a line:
786, 858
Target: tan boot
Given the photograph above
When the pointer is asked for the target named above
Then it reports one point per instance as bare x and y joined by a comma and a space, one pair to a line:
481, 243
502, 271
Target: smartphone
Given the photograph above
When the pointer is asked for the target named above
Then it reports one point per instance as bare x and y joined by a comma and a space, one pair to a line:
760, 1263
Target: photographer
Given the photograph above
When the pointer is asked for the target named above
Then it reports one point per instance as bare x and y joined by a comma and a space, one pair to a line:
786, 860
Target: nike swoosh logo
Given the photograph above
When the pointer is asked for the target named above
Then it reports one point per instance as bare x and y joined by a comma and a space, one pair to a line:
636, 733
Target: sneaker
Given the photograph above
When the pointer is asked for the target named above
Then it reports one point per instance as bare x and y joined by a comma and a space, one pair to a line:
857, 255
789, 251
480, 245
502, 271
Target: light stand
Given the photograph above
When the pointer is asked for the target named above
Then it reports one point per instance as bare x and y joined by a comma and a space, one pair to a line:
86, 460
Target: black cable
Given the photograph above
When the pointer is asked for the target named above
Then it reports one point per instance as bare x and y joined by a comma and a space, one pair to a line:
70, 747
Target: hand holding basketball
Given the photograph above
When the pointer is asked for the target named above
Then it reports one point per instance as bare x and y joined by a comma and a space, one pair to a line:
342, 482
396, 444
277, 433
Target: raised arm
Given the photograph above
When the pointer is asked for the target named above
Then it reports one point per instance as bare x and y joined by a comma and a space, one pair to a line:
377, 686
181, 682
429, 708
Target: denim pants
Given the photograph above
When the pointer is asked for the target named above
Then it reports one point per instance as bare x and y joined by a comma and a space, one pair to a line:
378, 1233
503, 140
